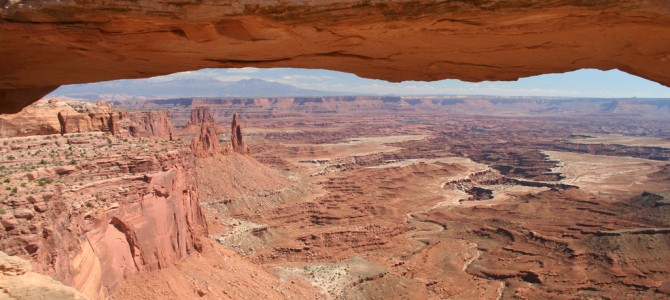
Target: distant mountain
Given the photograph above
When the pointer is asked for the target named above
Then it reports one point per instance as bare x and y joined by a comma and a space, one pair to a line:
200, 87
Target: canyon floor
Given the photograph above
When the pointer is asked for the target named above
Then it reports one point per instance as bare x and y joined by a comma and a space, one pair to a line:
366, 204
428, 206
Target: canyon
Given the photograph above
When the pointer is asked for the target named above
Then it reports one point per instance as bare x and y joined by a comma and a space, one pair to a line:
51, 43
344, 198
333, 197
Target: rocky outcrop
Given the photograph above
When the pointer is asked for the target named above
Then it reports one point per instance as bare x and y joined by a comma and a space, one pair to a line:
206, 143
236, 138
37, 119
54, 116
17, 281
155, 124
391, 40
150, 124
201, 115
136, 212
89, 122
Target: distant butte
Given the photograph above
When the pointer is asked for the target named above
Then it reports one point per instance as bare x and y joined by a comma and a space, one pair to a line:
50, 43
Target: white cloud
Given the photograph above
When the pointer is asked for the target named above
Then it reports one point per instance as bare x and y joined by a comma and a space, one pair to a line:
231, 78
247, 70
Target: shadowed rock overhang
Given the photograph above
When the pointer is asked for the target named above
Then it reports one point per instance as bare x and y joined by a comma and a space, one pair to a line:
48, 43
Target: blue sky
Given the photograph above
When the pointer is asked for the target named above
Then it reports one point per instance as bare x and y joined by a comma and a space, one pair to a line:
581, 83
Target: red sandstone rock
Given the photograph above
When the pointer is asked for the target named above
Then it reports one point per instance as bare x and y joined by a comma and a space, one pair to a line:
236, 138
146, 216
53, 116
37, 119
392, 40
206, 143
156, 124
200, 115
24, 213
17, 281
8, 221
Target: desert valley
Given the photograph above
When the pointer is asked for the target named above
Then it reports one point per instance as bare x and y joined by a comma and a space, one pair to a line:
340, 149
339, 198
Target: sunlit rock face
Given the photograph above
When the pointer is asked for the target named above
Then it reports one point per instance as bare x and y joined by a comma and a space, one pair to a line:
49, 43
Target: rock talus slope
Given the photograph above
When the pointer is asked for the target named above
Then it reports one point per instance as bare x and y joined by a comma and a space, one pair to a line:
51, 43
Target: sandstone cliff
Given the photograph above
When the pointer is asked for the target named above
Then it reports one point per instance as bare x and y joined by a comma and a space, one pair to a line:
37, 119
76, 122
97, 221
156, 124
55, 116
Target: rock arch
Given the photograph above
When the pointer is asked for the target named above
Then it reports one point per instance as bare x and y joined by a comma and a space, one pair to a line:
50, 43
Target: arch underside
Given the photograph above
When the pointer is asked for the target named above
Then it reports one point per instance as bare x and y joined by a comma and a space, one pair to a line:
46, 44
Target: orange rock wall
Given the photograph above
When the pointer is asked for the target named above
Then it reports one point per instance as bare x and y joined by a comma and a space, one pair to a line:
51, 43
157, 124
155, 221
53, 117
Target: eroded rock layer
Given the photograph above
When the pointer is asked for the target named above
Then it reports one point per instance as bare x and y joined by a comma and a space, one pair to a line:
91, 218
50, 43
53, 116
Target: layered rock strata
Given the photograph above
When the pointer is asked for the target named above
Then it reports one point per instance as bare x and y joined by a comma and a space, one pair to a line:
156, 124
74, 42
53, 117
100, 218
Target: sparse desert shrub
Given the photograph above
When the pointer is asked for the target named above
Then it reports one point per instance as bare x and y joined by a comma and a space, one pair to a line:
2, 211
90, 205
44, 181
11, 157
7, 180
43, 162
14, 190
72, 162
